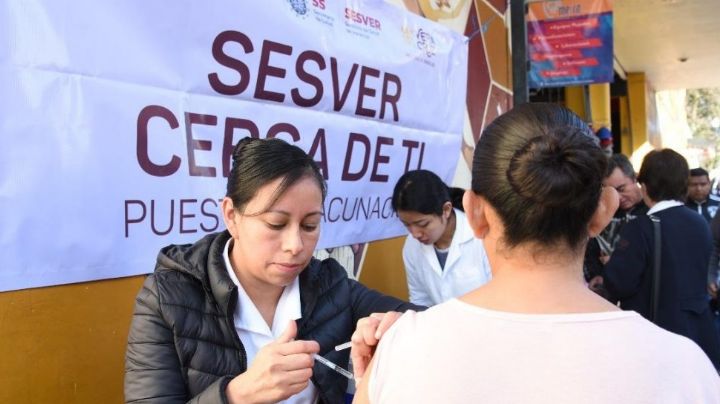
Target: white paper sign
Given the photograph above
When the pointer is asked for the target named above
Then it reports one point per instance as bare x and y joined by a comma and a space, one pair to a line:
118, 119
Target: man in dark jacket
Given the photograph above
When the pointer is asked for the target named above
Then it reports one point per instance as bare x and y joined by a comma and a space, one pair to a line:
620, 175
183, 345
699, 198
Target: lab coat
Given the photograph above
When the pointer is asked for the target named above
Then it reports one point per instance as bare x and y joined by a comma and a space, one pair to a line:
466, 267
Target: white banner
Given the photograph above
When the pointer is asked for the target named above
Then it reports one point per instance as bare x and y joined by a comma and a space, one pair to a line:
118, 119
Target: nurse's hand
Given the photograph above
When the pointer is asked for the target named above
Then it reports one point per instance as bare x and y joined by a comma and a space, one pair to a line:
366, 337
281, 369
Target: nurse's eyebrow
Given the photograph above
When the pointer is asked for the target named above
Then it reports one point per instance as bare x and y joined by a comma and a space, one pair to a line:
285, 213
418, 221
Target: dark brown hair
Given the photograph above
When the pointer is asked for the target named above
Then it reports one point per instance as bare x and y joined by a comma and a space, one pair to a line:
664, 174
424, 192
541, 169
257, 162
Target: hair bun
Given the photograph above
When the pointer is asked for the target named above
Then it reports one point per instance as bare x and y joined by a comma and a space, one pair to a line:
549, 170
240, 146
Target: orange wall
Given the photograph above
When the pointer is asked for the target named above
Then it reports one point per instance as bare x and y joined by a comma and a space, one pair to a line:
65, 344
383, 268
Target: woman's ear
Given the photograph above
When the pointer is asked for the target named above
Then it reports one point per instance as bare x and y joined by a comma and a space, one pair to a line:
447, 209
608, 204
229, 215
474, 206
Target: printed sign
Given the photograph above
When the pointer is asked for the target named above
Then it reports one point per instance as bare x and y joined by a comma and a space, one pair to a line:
570, 42
119, 120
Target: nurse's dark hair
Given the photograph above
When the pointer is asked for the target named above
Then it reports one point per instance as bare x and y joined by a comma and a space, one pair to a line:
257, 162
424, 192
541, 168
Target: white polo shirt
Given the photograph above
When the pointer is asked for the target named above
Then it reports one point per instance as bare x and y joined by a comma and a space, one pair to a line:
254, 331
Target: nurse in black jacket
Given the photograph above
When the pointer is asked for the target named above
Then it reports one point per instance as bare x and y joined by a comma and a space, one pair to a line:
237, 316
686, 247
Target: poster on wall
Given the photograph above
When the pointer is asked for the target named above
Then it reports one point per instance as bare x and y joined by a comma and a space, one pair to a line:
119, 119
570, 42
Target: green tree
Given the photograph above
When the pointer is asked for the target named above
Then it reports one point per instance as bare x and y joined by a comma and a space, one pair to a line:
703, 116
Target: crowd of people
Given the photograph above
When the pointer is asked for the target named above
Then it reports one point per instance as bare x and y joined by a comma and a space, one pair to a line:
560, 276
674, 280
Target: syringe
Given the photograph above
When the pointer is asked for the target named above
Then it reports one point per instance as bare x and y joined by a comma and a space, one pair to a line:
333, 366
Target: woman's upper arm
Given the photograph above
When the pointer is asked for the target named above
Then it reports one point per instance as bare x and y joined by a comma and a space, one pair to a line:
152, 368
382, 375
362, 394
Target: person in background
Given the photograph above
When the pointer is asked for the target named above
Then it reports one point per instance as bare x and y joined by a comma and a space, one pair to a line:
606, 140
237, 316
714, 271
442, 258
534, 333
699, 198
715, 186
621, 176
686, 245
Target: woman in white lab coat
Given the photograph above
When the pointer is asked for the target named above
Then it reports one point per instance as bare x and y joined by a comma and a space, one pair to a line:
442, 257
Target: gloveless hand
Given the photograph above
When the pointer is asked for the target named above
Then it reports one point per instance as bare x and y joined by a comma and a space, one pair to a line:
367, 334
280, 369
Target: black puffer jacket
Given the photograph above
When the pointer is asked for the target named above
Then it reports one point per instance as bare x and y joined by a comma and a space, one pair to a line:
183, 345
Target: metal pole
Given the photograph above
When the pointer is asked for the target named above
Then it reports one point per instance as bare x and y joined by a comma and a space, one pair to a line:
586, 103
518, 31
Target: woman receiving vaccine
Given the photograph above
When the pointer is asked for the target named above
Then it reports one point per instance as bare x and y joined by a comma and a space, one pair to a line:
442, 258
535, 333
